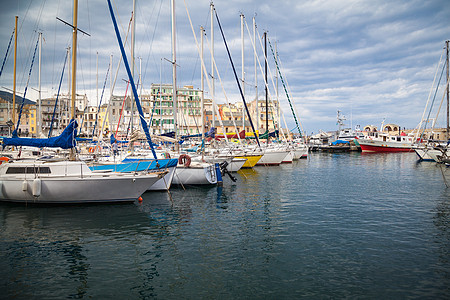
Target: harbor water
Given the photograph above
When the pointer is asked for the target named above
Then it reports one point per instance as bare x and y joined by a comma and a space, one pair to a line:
348, 225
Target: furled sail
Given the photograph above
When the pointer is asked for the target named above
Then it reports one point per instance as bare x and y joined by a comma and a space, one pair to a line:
66, 140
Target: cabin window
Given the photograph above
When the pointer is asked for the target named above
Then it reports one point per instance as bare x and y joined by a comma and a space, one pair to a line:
28, 170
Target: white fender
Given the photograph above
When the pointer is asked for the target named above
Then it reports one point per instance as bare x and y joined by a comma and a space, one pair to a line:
37, 187
24, 186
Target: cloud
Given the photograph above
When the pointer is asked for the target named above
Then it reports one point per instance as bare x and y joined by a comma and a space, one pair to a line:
370, 59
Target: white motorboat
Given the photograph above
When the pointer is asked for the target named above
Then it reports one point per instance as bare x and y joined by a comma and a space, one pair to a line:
66, 182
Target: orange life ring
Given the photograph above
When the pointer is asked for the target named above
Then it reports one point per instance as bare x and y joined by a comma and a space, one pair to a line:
3, 159
91, 150
185, 160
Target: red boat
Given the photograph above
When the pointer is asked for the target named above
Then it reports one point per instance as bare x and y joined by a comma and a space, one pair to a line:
386, 143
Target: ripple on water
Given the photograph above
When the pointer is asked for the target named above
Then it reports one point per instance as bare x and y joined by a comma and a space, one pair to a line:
331, 226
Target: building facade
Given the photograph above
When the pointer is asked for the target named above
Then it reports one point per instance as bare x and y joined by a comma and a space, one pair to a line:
56, 113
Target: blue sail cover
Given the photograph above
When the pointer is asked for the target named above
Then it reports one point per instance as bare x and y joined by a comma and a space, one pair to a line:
137, 165
340, 142
66, 140
169, 134
85, 140
184, 137
211, 132
112, 139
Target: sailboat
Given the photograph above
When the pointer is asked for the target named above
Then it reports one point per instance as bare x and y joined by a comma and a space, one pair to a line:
187, 173
433, 150
142, 162
67, 181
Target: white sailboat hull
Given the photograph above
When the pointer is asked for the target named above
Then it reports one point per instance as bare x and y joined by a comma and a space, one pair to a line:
165, 182
300, 152
236, 164
289, 158
272, 158
70, 185
195, 174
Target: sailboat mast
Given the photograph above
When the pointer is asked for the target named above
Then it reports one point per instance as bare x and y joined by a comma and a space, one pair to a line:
202, 33
69, 77
174, 71
96, 79
212, 65
265, 85
74, 67
448, 104
111, 77
39, 114
74, 57
243, 71
160, 98
256, 76
133, 36
140, 76
278, 95
14, 80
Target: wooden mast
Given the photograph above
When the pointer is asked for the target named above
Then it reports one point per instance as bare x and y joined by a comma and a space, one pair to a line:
74, 67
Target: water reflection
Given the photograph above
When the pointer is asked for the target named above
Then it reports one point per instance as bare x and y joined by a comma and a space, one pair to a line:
72, 240
333, 225
441, 220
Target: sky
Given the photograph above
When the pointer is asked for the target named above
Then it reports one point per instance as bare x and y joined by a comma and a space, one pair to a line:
375, 61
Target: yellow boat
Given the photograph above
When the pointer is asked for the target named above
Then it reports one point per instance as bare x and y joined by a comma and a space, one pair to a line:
252, 160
